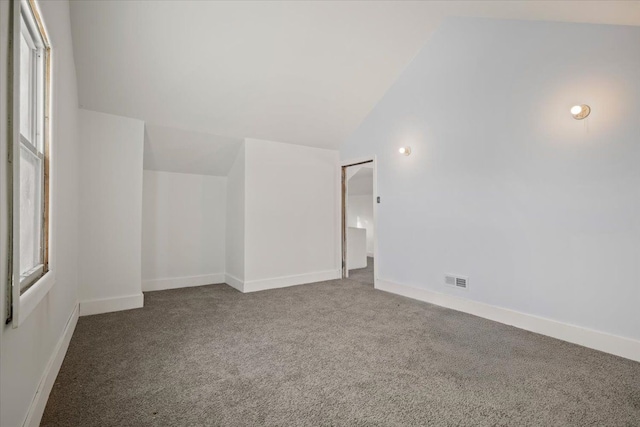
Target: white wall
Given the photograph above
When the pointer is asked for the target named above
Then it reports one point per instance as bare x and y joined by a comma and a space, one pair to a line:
235, 221
26, 351
291, 212
110, 212
183, 230
360, 215
540, 211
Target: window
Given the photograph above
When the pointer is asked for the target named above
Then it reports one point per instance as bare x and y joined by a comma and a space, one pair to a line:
31, 159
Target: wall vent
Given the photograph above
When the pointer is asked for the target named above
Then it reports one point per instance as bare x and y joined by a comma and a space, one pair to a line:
460, 282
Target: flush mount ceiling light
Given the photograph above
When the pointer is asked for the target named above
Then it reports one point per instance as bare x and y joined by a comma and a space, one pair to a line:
580, 112
405, 150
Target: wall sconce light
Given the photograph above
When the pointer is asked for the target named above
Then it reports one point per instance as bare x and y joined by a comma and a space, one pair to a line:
580, 112
405, 150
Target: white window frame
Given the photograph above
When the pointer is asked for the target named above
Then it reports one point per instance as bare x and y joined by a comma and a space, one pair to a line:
28, 289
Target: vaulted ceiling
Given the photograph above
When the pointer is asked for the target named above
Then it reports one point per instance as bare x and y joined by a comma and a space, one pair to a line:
298, 72
361, 183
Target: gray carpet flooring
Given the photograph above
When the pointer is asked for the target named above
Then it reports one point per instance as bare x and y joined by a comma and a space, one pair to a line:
331, 353
363, 275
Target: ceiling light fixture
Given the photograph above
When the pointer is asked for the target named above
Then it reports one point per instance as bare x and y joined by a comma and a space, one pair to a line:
580, 112
405, 150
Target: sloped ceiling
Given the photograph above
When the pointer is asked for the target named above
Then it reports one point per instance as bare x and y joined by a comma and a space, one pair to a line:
361, 183
298, 72
183, 151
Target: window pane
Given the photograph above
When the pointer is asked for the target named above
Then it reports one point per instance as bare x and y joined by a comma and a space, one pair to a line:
26, 87
38, 129
30, 210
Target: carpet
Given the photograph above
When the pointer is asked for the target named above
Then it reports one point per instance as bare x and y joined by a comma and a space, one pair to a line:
363, 275
330, 353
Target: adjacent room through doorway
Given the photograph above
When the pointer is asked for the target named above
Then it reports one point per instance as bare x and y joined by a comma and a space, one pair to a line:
358, 223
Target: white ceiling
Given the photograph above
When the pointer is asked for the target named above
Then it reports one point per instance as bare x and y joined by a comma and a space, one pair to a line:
361, 183
177, 150
298, 72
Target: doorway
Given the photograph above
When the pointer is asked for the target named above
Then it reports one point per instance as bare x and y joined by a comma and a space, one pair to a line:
358, 222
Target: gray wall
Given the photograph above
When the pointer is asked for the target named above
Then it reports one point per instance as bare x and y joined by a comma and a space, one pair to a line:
541, 211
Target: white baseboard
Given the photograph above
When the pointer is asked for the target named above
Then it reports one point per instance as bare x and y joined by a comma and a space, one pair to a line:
107, 305
234, 282
36, 409
620, 346
285, 281
182, 282
369, 254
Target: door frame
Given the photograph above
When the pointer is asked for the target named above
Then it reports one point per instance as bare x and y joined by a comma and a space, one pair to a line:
344, 164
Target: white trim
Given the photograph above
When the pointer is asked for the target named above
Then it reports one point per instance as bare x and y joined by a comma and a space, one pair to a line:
36, 409
234, 282
370, 254
108, 305
30, 299
338, 213
344, 223
182, 282
30, 277
285, 281
620, 346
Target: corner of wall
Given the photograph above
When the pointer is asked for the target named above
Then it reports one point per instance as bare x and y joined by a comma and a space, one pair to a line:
619, 346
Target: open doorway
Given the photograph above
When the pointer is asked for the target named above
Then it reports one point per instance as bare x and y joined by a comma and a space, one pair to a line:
358, 225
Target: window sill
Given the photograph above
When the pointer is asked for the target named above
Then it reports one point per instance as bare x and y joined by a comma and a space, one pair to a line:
32, 296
